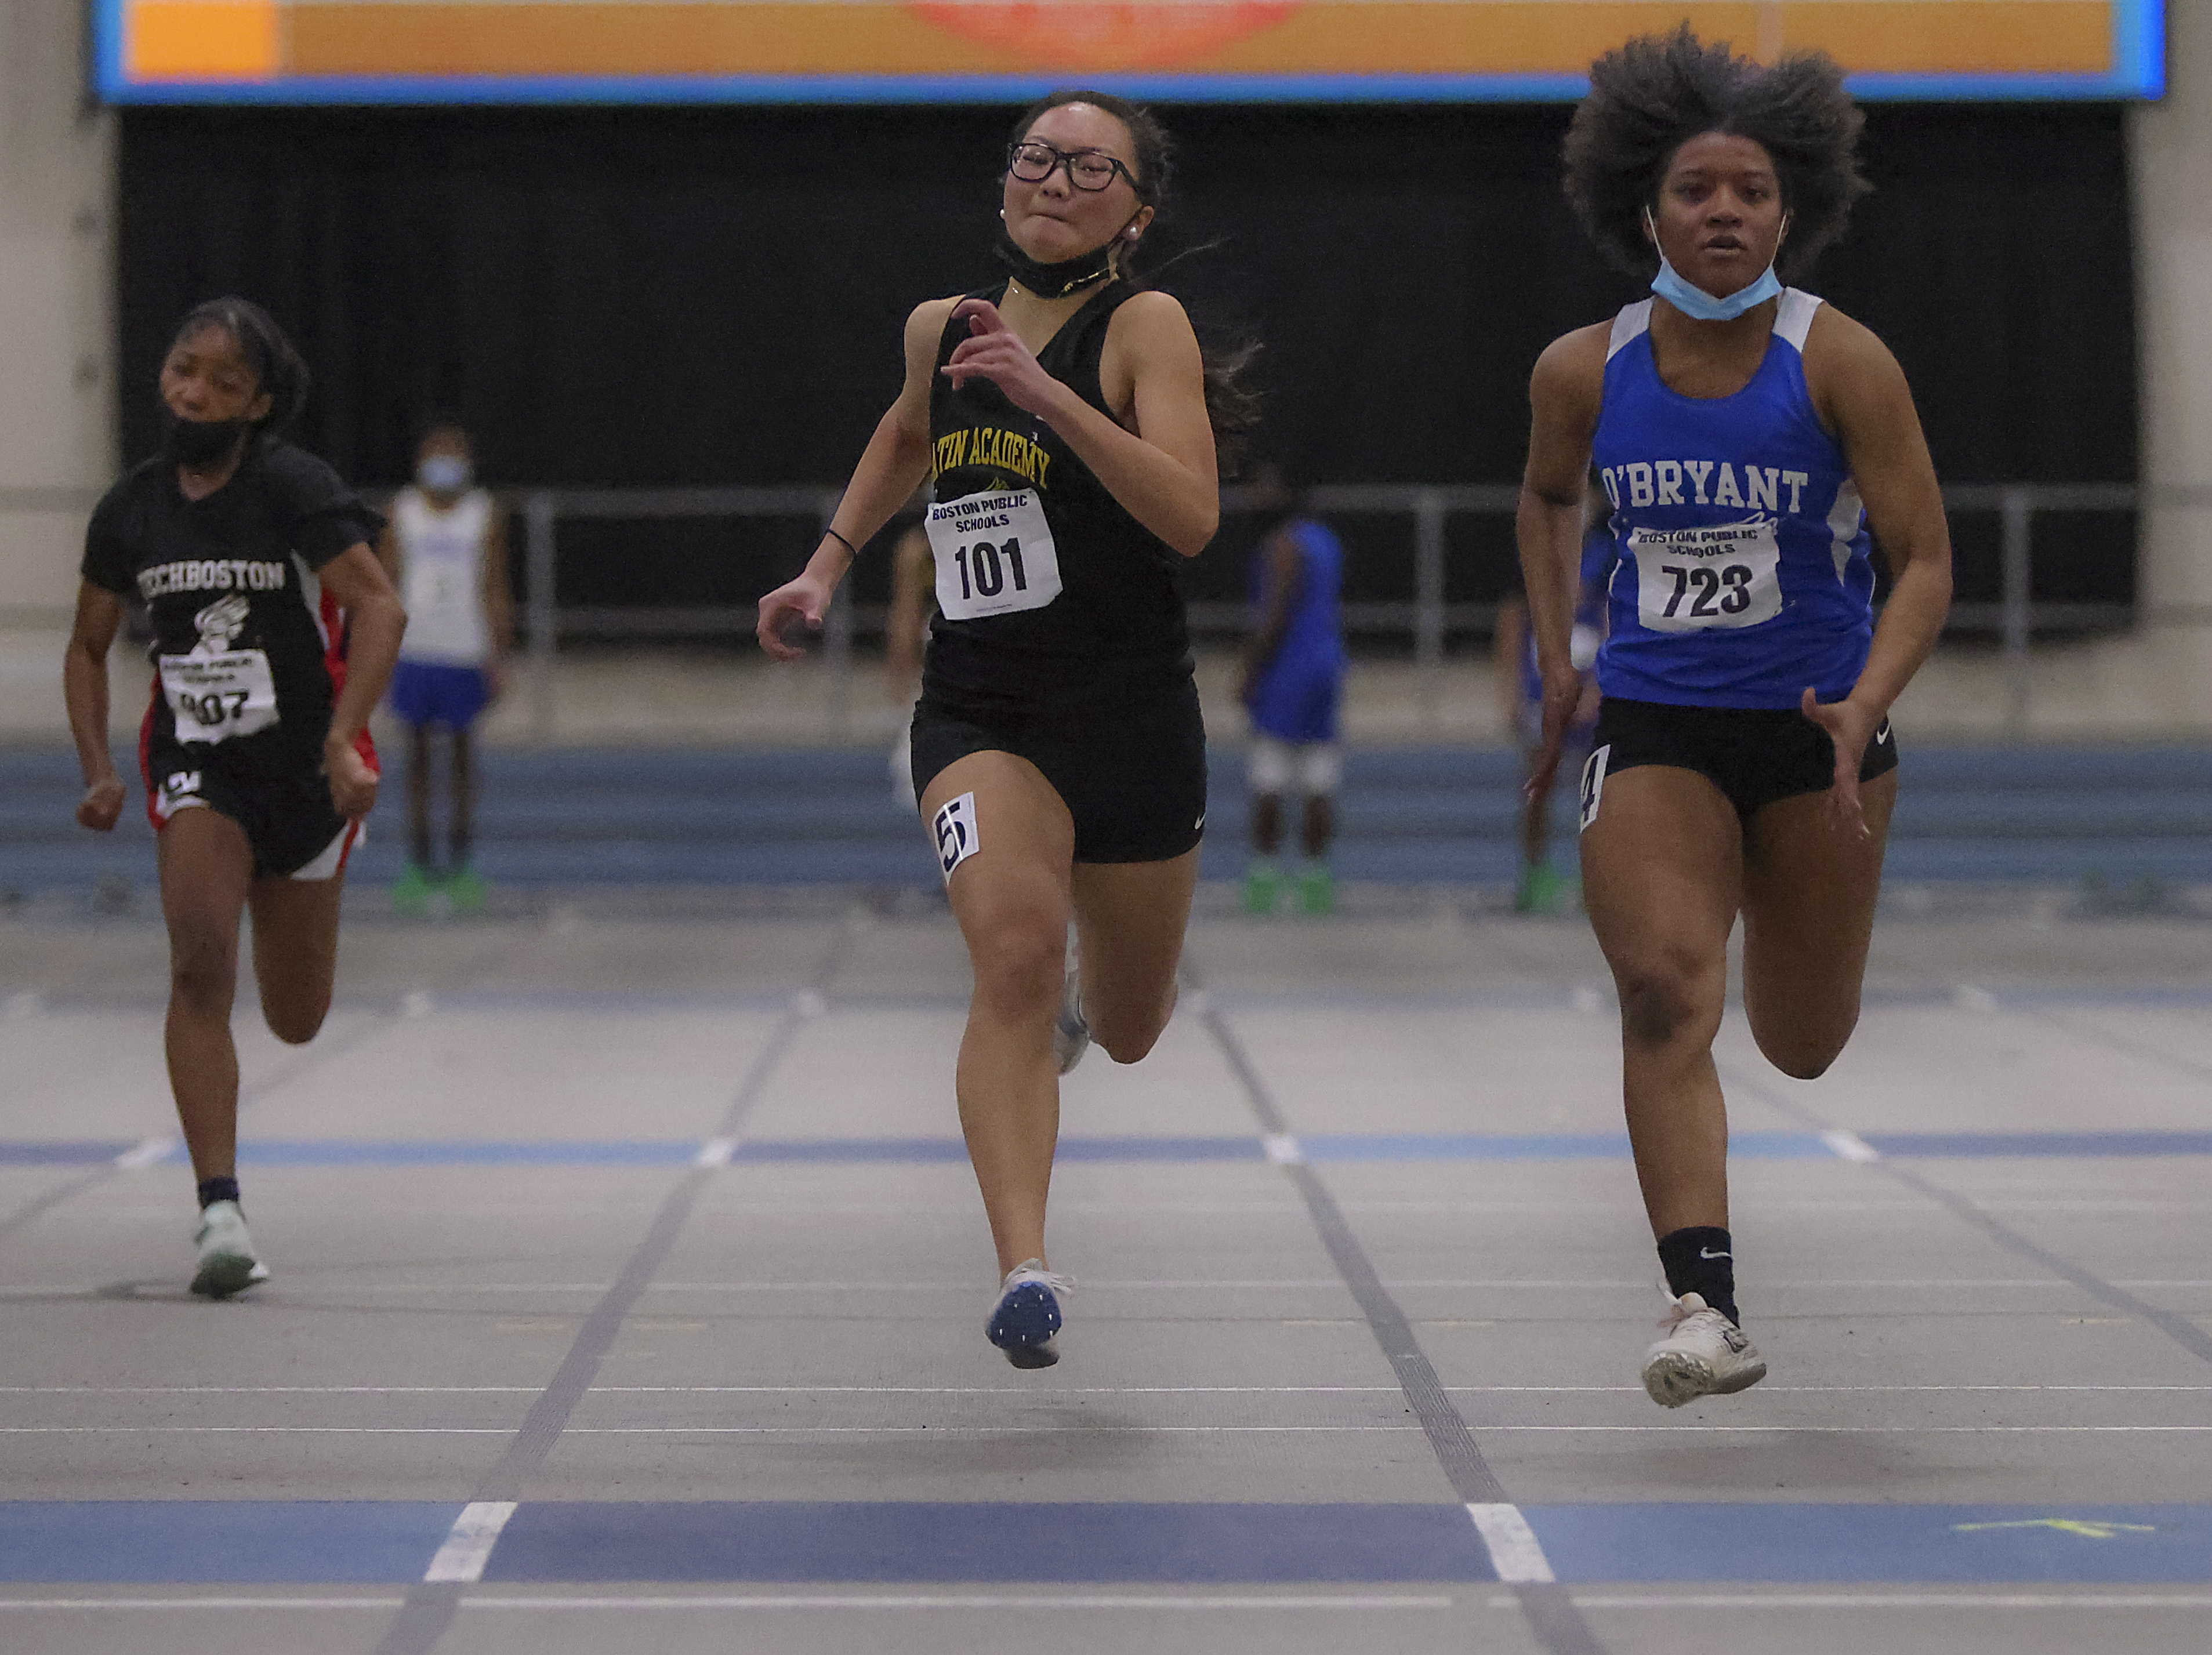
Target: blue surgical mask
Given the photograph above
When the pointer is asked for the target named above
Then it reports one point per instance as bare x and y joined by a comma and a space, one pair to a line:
1694, 301
444, 473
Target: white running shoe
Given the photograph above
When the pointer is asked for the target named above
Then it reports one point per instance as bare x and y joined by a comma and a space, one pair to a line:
1026, 1314
228, 1263
1702, 1353
1070, 1035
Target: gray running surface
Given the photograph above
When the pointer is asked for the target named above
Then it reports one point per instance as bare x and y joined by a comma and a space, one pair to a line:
642, 1212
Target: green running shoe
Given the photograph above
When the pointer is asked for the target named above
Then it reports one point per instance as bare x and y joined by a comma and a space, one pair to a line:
1263, 889
410, 892
466, 890
1316, 890
1541, 891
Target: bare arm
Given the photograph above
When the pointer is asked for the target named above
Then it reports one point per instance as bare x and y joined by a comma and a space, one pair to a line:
84, 690
1161, 464
498, 598
1563, 397
1862, 395
375, 621
891, 468
1285, 576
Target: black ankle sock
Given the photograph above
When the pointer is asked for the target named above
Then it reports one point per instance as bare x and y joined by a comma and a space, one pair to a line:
1701, 1260
213, 1190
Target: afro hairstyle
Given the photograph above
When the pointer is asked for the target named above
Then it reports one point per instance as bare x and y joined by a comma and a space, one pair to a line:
1656, 93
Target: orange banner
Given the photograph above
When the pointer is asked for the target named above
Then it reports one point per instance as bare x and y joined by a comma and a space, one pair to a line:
259, 40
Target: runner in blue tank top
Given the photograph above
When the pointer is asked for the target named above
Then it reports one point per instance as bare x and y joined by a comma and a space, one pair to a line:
1749, 437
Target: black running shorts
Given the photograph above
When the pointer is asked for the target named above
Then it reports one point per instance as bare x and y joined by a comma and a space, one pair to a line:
1754, 755
288, 821
1126, 752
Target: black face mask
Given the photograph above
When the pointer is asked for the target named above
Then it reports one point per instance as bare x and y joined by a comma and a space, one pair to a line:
200, 443
1055, 281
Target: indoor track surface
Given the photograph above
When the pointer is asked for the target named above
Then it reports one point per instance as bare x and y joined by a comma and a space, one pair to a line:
629, 1284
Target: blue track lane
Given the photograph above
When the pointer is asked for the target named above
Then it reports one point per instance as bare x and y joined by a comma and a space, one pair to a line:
239, 1542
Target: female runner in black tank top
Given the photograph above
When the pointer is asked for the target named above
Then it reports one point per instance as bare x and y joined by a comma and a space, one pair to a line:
1057, 751
275, 631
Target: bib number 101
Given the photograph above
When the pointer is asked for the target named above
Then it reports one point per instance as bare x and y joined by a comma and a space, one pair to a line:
986, 568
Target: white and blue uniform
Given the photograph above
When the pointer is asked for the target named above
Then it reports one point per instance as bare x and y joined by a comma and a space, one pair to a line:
1745, 573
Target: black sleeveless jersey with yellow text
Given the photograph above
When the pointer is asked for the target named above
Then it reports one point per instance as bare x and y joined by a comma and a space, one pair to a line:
1120, 594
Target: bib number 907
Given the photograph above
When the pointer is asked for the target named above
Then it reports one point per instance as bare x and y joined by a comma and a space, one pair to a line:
995, 555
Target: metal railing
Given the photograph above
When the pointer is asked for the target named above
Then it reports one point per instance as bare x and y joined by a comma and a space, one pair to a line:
1426, 617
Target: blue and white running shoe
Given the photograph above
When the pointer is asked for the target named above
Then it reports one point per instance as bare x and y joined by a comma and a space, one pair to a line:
1070, 1030
1027, 1314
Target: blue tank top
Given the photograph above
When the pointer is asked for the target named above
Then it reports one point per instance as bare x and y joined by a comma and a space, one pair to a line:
1745, 571
1313, 640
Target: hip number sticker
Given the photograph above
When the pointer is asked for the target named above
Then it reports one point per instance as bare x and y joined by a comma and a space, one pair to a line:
216, 697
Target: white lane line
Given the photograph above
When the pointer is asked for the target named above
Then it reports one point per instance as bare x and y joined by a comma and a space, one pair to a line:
469, 1542
148, 1152
935, 1600
809, 1003
1849, 1146
1971, 997
1027, 1390
1515, 1551
16, 1007
1697, 1429
715, 1152
1285, 1151
1888, 1600
417, 1003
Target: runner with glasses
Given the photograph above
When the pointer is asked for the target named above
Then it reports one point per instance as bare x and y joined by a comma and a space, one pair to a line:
1069, 420
1749, 437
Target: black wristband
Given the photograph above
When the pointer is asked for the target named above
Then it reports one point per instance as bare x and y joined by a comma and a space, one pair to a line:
832, 534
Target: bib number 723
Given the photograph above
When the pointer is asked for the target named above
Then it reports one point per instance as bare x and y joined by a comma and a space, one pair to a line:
1718, 575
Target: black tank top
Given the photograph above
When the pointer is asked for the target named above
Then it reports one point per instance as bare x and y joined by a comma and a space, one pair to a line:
1121, 599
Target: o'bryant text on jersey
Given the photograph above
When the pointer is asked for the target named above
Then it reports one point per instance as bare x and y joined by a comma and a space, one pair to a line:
980, 444
1661, 482
221, 574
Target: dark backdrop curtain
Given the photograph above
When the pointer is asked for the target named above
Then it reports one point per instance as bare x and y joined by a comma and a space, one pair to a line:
714, 296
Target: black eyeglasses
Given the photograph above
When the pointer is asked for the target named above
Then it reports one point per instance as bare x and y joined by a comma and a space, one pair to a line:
1087, 169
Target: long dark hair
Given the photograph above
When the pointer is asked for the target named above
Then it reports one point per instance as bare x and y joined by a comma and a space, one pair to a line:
1656, 93
1232, 406
277, 368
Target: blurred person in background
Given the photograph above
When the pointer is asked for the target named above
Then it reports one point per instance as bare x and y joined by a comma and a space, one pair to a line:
1069, 418
446, 550
274, 630
1754, 444
1542, 889
1293, 685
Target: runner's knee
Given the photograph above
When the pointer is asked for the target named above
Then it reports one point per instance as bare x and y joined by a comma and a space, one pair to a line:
295, 1019
1128, 1037
1805, 1053
202, 968
1672, 998
1020, 964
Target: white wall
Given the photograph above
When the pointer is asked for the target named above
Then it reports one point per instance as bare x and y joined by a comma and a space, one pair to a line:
57, 333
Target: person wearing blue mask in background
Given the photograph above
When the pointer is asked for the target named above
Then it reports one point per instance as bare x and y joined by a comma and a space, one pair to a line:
1543, 889
447, 550
1293, 685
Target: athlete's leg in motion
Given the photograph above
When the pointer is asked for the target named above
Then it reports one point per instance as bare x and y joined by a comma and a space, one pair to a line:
1267, 823
1320, 822
1663, 877
206, 869
1810, 888
1012, 899
1130, 918
295, 952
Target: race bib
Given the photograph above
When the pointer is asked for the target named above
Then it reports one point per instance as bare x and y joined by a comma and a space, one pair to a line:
216, 697
1725, 575
995, 555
